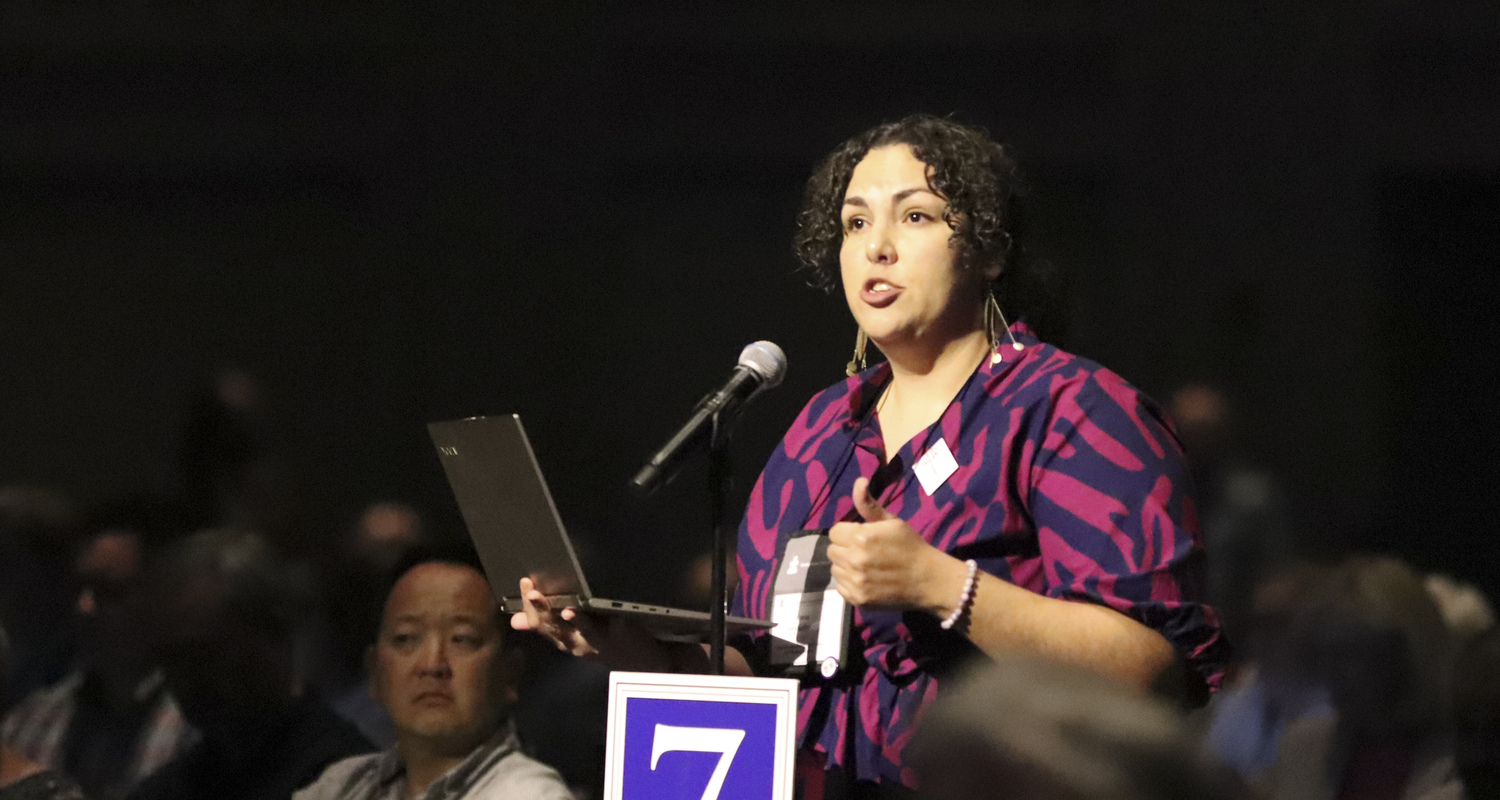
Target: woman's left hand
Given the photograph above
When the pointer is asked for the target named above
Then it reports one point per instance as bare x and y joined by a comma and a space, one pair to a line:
883, 563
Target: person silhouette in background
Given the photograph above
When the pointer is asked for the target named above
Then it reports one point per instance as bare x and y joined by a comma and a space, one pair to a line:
226, 617
110, 722
1372, 635
234, 474
1241, 508
354, 581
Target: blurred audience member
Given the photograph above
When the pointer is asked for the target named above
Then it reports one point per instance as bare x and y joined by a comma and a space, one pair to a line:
1275, 687
353, 591
1240, 508
20, 777
1465, 609
697, 580
227, 614
385, 532
111, 722
1035, 730
1476, 715
232, 475
37, 526
1372, 635
439, 668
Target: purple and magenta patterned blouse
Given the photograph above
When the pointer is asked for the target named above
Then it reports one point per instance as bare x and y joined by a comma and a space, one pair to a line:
1070, 483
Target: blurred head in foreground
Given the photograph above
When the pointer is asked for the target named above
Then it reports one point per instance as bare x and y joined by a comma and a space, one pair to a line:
1027, 729
1374, 637
226, 613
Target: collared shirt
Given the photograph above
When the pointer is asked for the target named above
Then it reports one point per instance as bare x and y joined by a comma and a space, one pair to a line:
1063, 480
496, 769
41, 725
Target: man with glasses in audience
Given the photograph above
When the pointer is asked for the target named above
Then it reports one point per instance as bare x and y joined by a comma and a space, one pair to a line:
111, 722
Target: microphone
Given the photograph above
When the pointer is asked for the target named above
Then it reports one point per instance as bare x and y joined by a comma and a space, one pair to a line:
762, 365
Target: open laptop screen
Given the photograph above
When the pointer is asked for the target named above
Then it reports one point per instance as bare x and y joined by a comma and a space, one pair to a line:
506, 505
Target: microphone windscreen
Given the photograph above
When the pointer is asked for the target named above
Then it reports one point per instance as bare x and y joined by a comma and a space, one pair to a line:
766, 360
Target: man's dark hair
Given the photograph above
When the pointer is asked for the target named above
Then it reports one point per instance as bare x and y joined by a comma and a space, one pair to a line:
460, 554
982, 184
455, 553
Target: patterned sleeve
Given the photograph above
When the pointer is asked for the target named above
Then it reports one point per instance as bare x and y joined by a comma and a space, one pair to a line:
1110, 496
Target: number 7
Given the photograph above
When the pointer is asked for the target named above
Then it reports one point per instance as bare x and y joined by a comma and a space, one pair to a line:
724, 741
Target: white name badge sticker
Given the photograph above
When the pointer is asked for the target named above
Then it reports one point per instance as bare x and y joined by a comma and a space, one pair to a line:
935, 466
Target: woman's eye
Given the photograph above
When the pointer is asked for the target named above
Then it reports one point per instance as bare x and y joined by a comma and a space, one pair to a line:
916, 216
855, 224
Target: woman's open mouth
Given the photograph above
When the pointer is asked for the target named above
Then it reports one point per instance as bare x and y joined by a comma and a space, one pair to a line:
879, 292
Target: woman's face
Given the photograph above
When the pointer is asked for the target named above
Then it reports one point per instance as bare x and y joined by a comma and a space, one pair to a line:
898, 269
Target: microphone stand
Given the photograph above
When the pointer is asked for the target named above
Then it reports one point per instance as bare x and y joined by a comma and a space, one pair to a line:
718, 496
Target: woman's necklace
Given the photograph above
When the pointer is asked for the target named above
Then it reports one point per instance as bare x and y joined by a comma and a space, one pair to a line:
890, 388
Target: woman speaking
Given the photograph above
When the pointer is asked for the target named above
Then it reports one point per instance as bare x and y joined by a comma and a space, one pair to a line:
983, 491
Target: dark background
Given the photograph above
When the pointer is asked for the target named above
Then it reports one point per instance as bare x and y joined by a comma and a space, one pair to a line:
395, 213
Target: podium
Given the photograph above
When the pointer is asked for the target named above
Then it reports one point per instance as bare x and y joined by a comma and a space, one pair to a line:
699, 737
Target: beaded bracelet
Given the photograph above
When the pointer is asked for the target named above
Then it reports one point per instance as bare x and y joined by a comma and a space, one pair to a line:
966, 599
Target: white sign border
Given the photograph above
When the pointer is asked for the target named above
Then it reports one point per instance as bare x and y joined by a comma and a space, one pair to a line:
780, 692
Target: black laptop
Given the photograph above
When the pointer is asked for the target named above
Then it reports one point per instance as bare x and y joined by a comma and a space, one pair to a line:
516, 528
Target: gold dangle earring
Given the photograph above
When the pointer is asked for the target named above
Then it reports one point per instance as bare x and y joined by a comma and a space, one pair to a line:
994, 322
857, 363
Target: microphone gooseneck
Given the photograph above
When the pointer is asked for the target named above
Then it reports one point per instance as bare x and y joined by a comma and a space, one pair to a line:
762, 365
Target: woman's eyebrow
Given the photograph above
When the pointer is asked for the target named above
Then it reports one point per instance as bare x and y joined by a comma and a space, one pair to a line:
896, 198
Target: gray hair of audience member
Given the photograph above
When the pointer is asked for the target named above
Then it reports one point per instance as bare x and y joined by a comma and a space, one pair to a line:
1372, 634
250, 581
1040, 730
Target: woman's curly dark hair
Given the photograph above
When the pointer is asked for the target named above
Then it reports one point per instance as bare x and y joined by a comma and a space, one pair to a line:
981, 183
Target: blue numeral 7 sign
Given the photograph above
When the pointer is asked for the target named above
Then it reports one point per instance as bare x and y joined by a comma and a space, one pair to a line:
699, 737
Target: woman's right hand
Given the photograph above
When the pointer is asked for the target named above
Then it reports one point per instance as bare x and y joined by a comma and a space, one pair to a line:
618, 642
568, 628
